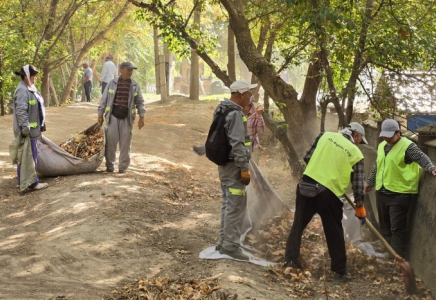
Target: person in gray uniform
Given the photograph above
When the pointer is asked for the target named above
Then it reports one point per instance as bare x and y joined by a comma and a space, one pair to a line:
29, 118
235, 175
119, 103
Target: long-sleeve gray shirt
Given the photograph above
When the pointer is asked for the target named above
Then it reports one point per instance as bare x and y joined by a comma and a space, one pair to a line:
237, 135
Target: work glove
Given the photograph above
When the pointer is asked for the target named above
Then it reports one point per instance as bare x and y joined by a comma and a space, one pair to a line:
361, 214
245, 177
25, 132
100, 120
141, 123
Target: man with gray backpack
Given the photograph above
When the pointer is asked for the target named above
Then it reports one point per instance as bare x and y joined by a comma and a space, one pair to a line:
228, 145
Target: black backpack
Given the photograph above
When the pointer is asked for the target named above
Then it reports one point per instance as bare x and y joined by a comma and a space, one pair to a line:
217, 145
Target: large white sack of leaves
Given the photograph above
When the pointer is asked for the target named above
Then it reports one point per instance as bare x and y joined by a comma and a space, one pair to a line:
53, 160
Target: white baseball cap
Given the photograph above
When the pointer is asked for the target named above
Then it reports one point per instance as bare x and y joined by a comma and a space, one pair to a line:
359, 129
388, 128
241, 86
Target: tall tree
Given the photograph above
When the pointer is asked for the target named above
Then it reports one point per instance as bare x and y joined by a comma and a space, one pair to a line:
96, 37
231, 63
338, 39
194, 79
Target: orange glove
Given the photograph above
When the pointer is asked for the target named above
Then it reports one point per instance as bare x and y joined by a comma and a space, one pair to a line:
245, 177
100, 120
361, 214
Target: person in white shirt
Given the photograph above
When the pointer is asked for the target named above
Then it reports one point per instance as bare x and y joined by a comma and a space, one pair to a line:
108, 72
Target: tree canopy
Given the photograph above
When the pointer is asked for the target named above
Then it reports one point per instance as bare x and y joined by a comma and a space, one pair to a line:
332, 46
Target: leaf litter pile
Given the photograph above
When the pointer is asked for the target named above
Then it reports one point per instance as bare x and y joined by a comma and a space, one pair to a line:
373, 277
164, 288
86, 143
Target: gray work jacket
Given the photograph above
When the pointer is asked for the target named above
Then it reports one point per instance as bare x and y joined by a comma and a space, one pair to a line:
237, 134
135, 101
26, 111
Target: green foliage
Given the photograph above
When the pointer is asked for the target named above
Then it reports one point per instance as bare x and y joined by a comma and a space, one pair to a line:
172, 22
15, 49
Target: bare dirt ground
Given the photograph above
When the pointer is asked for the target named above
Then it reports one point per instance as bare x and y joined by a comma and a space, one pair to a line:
99, 235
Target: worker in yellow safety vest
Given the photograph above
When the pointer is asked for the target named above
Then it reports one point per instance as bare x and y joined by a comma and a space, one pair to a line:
396, 179
333, 161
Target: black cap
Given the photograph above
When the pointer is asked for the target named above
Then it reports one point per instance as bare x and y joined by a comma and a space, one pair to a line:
32, 71
128, 65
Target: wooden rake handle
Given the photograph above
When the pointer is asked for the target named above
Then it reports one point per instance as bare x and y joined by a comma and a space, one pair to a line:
374, 230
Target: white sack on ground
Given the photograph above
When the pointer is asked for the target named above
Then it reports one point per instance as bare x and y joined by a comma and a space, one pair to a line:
55, 161
262, 200
352, 230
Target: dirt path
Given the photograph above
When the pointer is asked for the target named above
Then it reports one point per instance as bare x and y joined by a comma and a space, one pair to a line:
86, 234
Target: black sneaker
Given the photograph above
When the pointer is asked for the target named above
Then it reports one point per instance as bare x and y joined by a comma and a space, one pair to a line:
293, 264
218, 247
341, 278
109, 170
122, 171
236, 254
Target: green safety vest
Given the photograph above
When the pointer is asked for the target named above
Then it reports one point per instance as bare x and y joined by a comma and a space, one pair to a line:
393, 173
332, 162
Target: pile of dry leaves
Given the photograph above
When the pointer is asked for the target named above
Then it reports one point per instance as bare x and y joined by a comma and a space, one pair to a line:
377, 278
85, 144
164, 288
373, 278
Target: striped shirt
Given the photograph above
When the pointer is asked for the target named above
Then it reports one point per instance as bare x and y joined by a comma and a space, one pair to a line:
412, 154
122, 93
357, 177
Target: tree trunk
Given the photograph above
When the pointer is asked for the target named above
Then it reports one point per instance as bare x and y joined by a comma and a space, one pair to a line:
163, 95
308, 100
54, 97
156, 58
358, 63
260, 45
45, 85
2, 97
167, 69
73, 93
194, 80
84, 50
231, 64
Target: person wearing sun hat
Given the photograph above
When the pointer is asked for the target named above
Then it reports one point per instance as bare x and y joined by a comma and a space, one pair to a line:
396, 180
29, 117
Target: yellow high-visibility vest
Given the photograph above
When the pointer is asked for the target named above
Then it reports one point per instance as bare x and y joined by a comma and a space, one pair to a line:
393, 173
332, 162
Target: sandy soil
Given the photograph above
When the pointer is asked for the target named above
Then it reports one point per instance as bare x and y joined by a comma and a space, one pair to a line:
91, 234
87, 234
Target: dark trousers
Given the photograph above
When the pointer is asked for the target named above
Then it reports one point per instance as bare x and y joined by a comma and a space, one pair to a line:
392, 214
329, 208
103, 86
35, 160
88, 86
